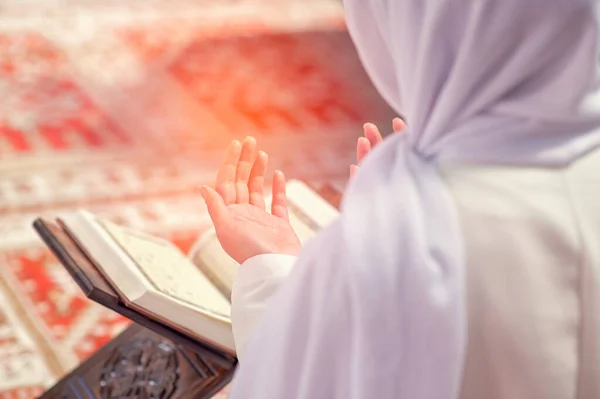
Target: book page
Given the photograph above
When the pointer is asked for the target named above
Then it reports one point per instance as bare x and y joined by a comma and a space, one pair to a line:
169, 270
308, 213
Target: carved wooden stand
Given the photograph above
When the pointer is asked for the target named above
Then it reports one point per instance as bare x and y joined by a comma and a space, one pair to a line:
149, 360
140, 364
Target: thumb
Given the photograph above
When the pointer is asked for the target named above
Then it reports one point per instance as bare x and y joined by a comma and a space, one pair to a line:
216, 205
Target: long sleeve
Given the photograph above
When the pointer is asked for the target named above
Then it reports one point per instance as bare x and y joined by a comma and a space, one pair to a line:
302, 345
257, 281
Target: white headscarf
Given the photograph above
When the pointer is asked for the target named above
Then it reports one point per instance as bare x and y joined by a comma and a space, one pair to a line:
483, 81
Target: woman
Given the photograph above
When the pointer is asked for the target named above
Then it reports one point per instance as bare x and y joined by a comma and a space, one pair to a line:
465, 263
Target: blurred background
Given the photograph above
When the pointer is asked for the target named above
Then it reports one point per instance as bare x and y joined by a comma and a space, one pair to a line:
123, 107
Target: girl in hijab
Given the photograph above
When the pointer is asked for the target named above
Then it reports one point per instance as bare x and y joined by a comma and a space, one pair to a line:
466, 260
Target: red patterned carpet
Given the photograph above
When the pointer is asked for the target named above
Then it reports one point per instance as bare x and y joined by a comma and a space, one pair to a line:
123, 107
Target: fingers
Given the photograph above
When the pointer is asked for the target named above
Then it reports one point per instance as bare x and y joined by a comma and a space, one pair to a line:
398, 125
257, 180
365, 144
244, 167
363, 147
279, 204
225, 184
373, 137
373, 134
217, 209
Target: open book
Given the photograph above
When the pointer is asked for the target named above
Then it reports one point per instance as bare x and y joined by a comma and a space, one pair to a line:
190, 294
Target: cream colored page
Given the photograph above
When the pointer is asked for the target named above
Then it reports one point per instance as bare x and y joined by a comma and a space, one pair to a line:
169, 270
214, 262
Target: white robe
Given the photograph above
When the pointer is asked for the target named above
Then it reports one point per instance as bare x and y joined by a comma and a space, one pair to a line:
375, 305
534, 328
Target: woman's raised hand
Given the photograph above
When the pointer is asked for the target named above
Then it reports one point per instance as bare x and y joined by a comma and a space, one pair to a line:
237, 206
371, 138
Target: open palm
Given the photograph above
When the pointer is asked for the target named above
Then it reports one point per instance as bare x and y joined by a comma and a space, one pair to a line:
237, 206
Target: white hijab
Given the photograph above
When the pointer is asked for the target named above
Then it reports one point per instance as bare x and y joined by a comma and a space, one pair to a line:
483, 81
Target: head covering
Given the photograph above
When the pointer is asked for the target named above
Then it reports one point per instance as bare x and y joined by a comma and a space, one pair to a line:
510, 82
515, 80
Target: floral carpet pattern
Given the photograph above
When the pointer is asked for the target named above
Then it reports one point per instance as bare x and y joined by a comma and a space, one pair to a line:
123, 108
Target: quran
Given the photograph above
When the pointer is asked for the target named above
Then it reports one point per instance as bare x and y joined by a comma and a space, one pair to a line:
153, 282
